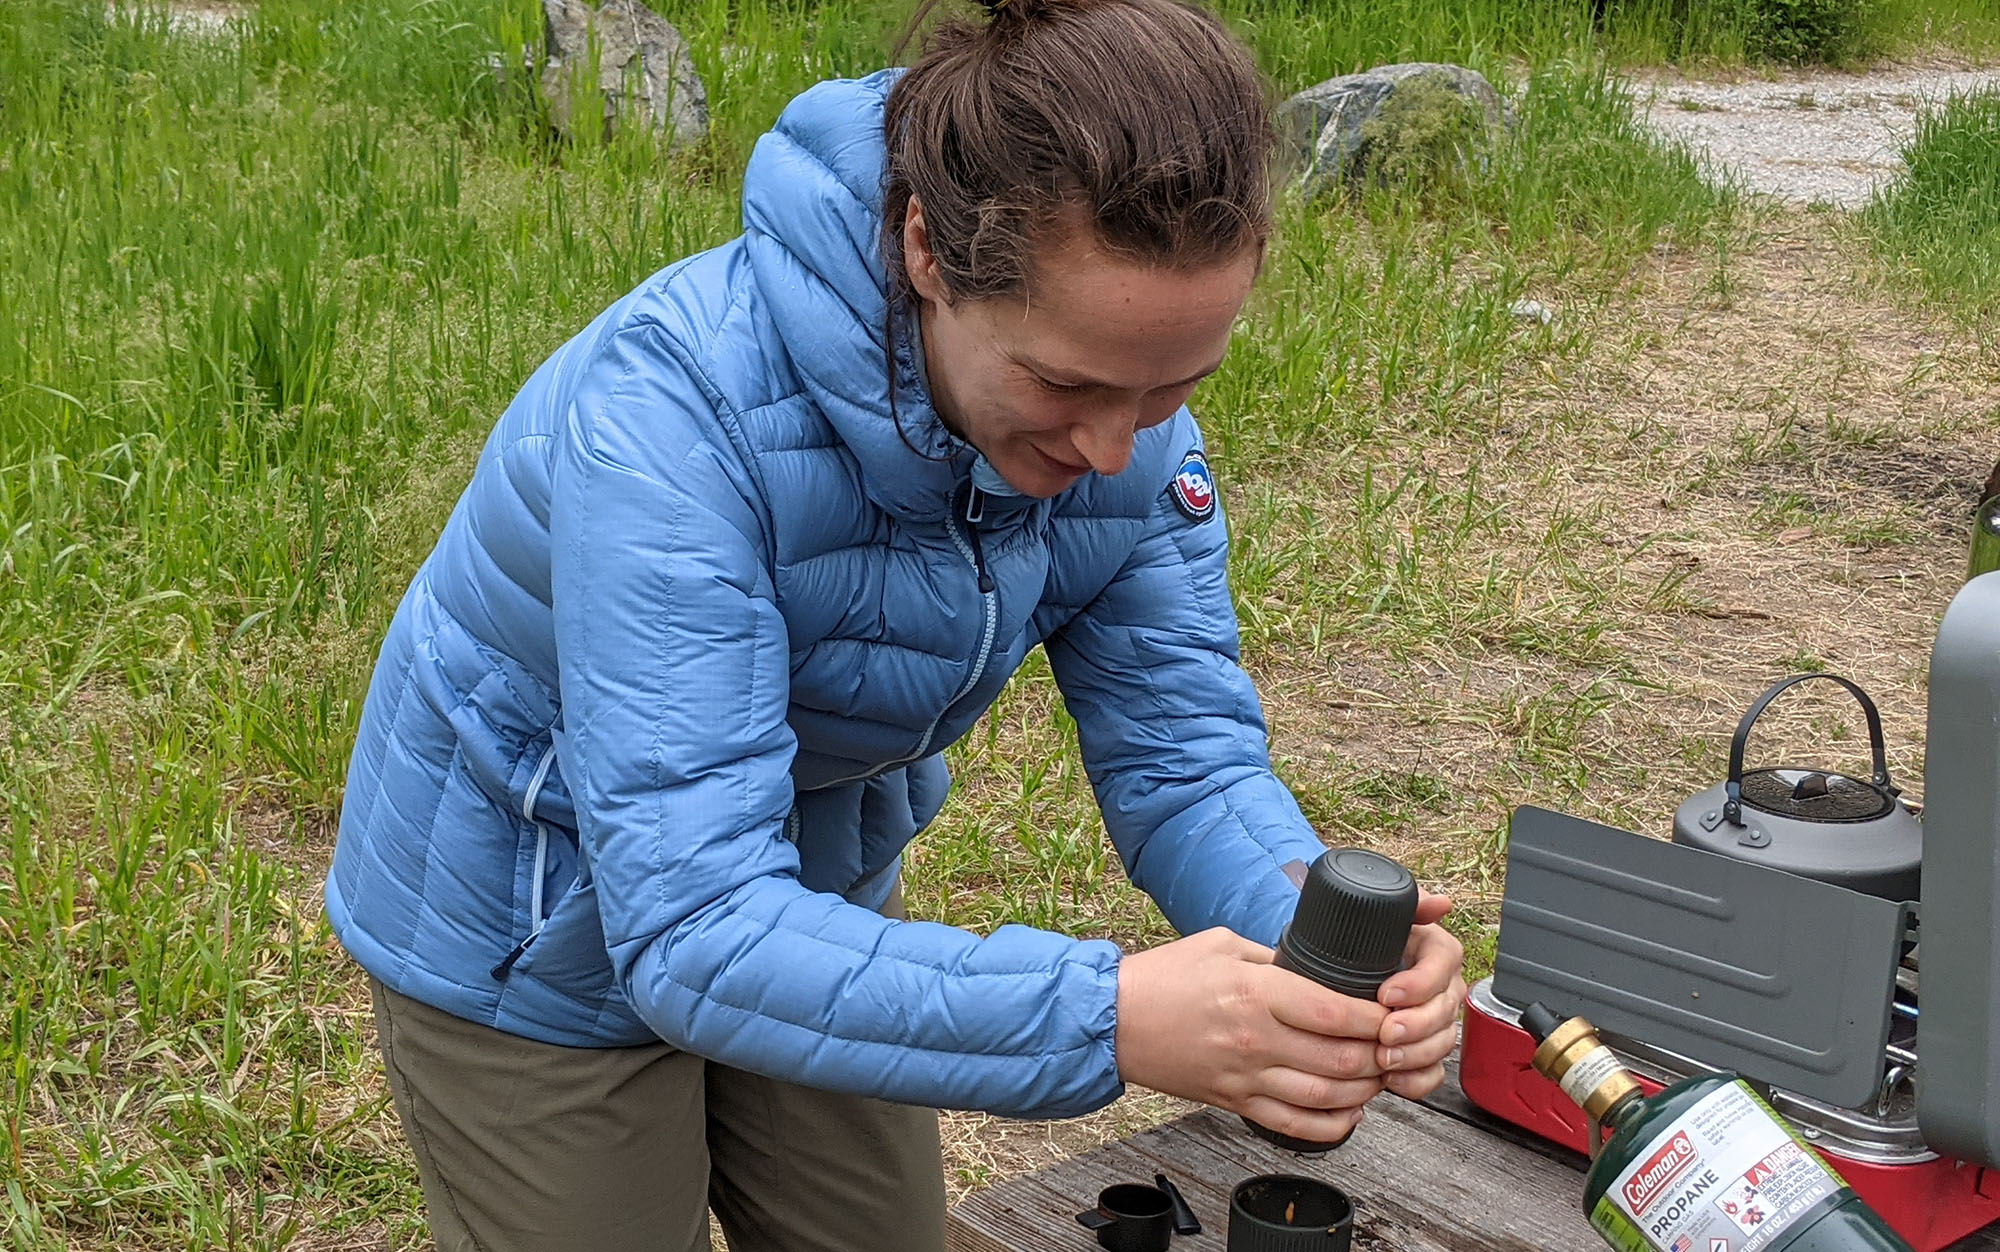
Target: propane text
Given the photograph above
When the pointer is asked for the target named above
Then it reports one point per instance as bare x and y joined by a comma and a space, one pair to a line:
1684, 1199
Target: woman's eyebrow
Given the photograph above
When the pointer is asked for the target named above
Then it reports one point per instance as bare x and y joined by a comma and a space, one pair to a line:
1064, 378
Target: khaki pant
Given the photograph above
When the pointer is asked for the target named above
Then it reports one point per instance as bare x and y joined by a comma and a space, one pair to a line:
528, 1147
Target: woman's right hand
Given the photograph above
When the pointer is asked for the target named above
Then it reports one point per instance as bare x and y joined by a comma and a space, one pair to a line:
1210, 1018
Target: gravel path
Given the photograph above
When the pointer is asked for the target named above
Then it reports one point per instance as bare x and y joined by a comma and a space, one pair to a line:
1809, 136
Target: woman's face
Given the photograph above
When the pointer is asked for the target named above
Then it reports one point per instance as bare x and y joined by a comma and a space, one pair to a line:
1056, 383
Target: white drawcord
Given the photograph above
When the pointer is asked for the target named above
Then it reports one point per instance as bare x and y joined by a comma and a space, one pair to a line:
541, 838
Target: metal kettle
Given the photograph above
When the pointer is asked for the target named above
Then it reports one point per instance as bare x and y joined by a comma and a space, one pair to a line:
1816, 823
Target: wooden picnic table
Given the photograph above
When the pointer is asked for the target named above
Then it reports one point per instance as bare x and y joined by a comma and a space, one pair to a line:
1440, 1176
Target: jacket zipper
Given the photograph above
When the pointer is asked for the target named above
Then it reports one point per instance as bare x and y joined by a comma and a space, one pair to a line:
541, 775
964, 531
966, 535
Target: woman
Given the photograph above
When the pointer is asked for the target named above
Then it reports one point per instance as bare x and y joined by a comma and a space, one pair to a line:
658, 714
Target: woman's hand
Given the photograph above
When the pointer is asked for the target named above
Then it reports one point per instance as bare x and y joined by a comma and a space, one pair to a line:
1422, 1027
1210, 1018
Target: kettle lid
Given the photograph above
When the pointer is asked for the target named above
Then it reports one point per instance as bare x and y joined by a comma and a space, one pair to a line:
1812, 795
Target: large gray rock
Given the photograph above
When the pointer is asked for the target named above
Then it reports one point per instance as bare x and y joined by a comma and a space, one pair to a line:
636, 48
1328, 130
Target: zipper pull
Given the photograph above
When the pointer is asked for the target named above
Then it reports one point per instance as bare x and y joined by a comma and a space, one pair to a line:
506, 966
975, 510
979, 560
979, 564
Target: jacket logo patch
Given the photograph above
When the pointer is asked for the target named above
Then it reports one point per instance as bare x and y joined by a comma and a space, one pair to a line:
1193, 487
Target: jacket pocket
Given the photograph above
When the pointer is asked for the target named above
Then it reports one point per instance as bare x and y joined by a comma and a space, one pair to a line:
568, 953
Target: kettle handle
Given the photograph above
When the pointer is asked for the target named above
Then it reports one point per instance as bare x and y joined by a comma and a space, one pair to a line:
1732, 808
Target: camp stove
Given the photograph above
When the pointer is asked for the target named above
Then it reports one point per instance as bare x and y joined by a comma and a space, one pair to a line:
1785, 935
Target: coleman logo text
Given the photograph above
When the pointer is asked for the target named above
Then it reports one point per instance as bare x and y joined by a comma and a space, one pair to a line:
1658, 1173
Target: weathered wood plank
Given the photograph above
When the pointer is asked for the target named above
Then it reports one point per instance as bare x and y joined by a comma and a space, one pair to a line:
1422, 1182
1430, 1177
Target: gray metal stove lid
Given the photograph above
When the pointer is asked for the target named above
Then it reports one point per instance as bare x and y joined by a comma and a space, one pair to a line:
1879, 1138
1781, 978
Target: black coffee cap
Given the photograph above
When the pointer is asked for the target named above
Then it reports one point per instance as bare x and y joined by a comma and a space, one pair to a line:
1289, 1213
1353, 921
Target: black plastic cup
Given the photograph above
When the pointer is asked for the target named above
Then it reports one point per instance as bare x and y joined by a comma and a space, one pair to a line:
1131, 1217
1348, 933
1287, 1213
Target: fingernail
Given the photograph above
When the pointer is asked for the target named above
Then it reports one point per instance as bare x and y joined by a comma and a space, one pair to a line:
1395, 1057
1393, 995
1394, 1033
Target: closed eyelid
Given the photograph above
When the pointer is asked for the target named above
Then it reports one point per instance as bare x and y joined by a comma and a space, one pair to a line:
1093, 385
1053, 385
1083, 385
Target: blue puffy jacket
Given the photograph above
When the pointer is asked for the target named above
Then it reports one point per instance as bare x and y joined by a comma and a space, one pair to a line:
657, 715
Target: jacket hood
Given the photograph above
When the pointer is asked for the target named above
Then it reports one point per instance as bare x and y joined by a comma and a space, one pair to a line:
812, 220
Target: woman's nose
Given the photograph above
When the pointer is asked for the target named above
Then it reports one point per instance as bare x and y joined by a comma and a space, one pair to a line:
1105, 442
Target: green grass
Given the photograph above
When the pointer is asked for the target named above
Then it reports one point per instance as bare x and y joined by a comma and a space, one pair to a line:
1298, 41
1939, 220
1968, 27
260, 298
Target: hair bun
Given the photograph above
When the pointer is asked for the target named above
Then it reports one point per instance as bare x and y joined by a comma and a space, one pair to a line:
1022, 10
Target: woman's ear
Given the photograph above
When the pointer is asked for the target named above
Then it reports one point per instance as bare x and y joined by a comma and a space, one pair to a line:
919, 262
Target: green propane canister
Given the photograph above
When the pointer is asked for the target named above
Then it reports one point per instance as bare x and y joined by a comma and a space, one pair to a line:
1986, 530
1702, 1166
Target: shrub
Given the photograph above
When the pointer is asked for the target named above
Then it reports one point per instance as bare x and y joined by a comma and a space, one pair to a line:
1799, 31
1425, 136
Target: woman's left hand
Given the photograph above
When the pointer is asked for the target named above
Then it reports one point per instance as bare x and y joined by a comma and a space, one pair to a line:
1422, 1026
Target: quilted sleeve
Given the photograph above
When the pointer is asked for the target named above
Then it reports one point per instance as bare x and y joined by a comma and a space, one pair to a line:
674, 672
1174, 738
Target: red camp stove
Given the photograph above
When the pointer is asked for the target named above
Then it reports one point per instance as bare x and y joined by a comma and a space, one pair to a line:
1931, 1200
1781, 936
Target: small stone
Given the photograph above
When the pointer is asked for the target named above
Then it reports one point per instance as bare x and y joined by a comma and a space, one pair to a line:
1532, 311
643, 67
496, 65
198, 19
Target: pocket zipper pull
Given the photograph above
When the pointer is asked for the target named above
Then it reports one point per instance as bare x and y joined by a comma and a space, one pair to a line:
506, 966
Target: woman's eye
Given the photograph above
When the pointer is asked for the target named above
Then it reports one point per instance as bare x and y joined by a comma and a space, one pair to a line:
1061, 389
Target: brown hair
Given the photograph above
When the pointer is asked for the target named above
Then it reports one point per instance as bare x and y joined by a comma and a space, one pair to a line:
1143, 118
